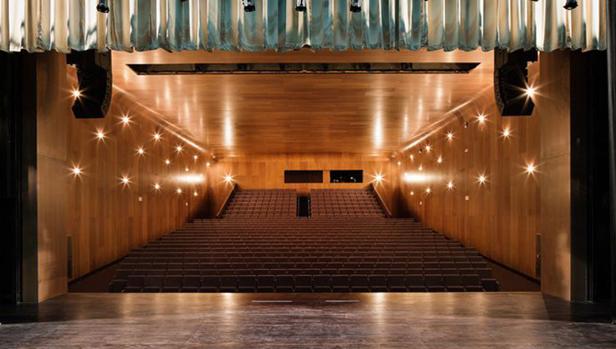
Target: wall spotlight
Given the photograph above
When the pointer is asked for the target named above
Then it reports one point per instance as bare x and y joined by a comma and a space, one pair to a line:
300, 6
100, 135
125, 181
530, 91
428, 148
140, 151
378, 178
449, 136
481, 119
228, 178
157, 137
178, 190
76, 171
102, 6
355, 6
482, 179
439, 160
156, 186
506, 133
530, 168
179, 148
570, 4
450, 185
125, 120
76, 93
249, 5
167, 162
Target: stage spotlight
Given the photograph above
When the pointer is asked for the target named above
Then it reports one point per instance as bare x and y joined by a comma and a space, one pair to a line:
355, 6
102, 6
300, 6
571, 4
249, 5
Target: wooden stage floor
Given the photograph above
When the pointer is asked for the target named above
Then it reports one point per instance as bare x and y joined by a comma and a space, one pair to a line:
385, 320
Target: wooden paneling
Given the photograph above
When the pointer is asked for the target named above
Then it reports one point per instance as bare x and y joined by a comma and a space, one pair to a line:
267, 172
104, 218
555, 225
502, 217
316, 113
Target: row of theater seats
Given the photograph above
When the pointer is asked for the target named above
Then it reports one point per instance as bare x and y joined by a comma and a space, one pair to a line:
304, 283
283, 203
262, 203
344, 202
303, 255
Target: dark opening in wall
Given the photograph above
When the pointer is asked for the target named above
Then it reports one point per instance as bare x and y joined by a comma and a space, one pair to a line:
346, 176
295, 176
303, 206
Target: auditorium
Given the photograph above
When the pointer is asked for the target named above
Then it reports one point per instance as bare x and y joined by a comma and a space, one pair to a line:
308, 173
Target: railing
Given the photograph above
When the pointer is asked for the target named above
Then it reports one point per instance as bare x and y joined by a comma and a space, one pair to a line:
381, 201
226, 202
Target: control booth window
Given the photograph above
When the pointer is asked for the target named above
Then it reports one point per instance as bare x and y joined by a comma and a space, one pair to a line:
291, 176
346, 176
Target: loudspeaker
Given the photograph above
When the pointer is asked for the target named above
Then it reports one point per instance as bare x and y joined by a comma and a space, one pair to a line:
95, 83
511, 81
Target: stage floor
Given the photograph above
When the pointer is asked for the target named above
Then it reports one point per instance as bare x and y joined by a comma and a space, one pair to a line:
385, 320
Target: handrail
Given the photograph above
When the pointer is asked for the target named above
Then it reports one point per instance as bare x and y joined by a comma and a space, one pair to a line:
222, 208
381, 201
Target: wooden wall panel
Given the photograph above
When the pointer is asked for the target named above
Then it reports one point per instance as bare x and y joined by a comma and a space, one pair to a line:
502, 217
104, 219
267, 172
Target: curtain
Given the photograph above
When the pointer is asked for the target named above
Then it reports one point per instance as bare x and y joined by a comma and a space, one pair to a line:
175, 25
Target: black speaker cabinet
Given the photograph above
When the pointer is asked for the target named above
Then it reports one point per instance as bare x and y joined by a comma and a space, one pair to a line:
511, 81
95, 83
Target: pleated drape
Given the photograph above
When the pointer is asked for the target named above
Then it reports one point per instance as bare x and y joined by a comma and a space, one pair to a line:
175, 25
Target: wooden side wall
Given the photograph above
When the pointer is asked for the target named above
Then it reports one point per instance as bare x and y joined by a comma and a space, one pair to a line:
503, 217
103, 218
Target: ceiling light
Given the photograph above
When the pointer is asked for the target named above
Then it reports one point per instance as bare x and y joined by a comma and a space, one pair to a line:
570, 4
530, 168
412, 157
156, 186
167, 162
179, 148
228, 178
249, 5
76, 93
102, 6
428, 190
195, 193
412, 193
399, 163
449, 136
355, 6
428, 148
300, 5
157, 136
420, 168
195, 157
450, 185
178, 190
140, 151
440, 159
207, 164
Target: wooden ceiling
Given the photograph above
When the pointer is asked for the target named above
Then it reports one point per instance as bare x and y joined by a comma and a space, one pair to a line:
245, 114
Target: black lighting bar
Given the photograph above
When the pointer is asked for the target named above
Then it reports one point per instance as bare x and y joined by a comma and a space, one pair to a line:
303, 68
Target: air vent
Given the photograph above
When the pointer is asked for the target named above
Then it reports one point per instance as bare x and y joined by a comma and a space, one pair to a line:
303, 68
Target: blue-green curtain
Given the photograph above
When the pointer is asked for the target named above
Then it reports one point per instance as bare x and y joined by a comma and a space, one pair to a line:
175, 25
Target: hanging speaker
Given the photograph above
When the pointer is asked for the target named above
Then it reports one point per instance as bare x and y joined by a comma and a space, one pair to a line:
511, 82
95, 83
